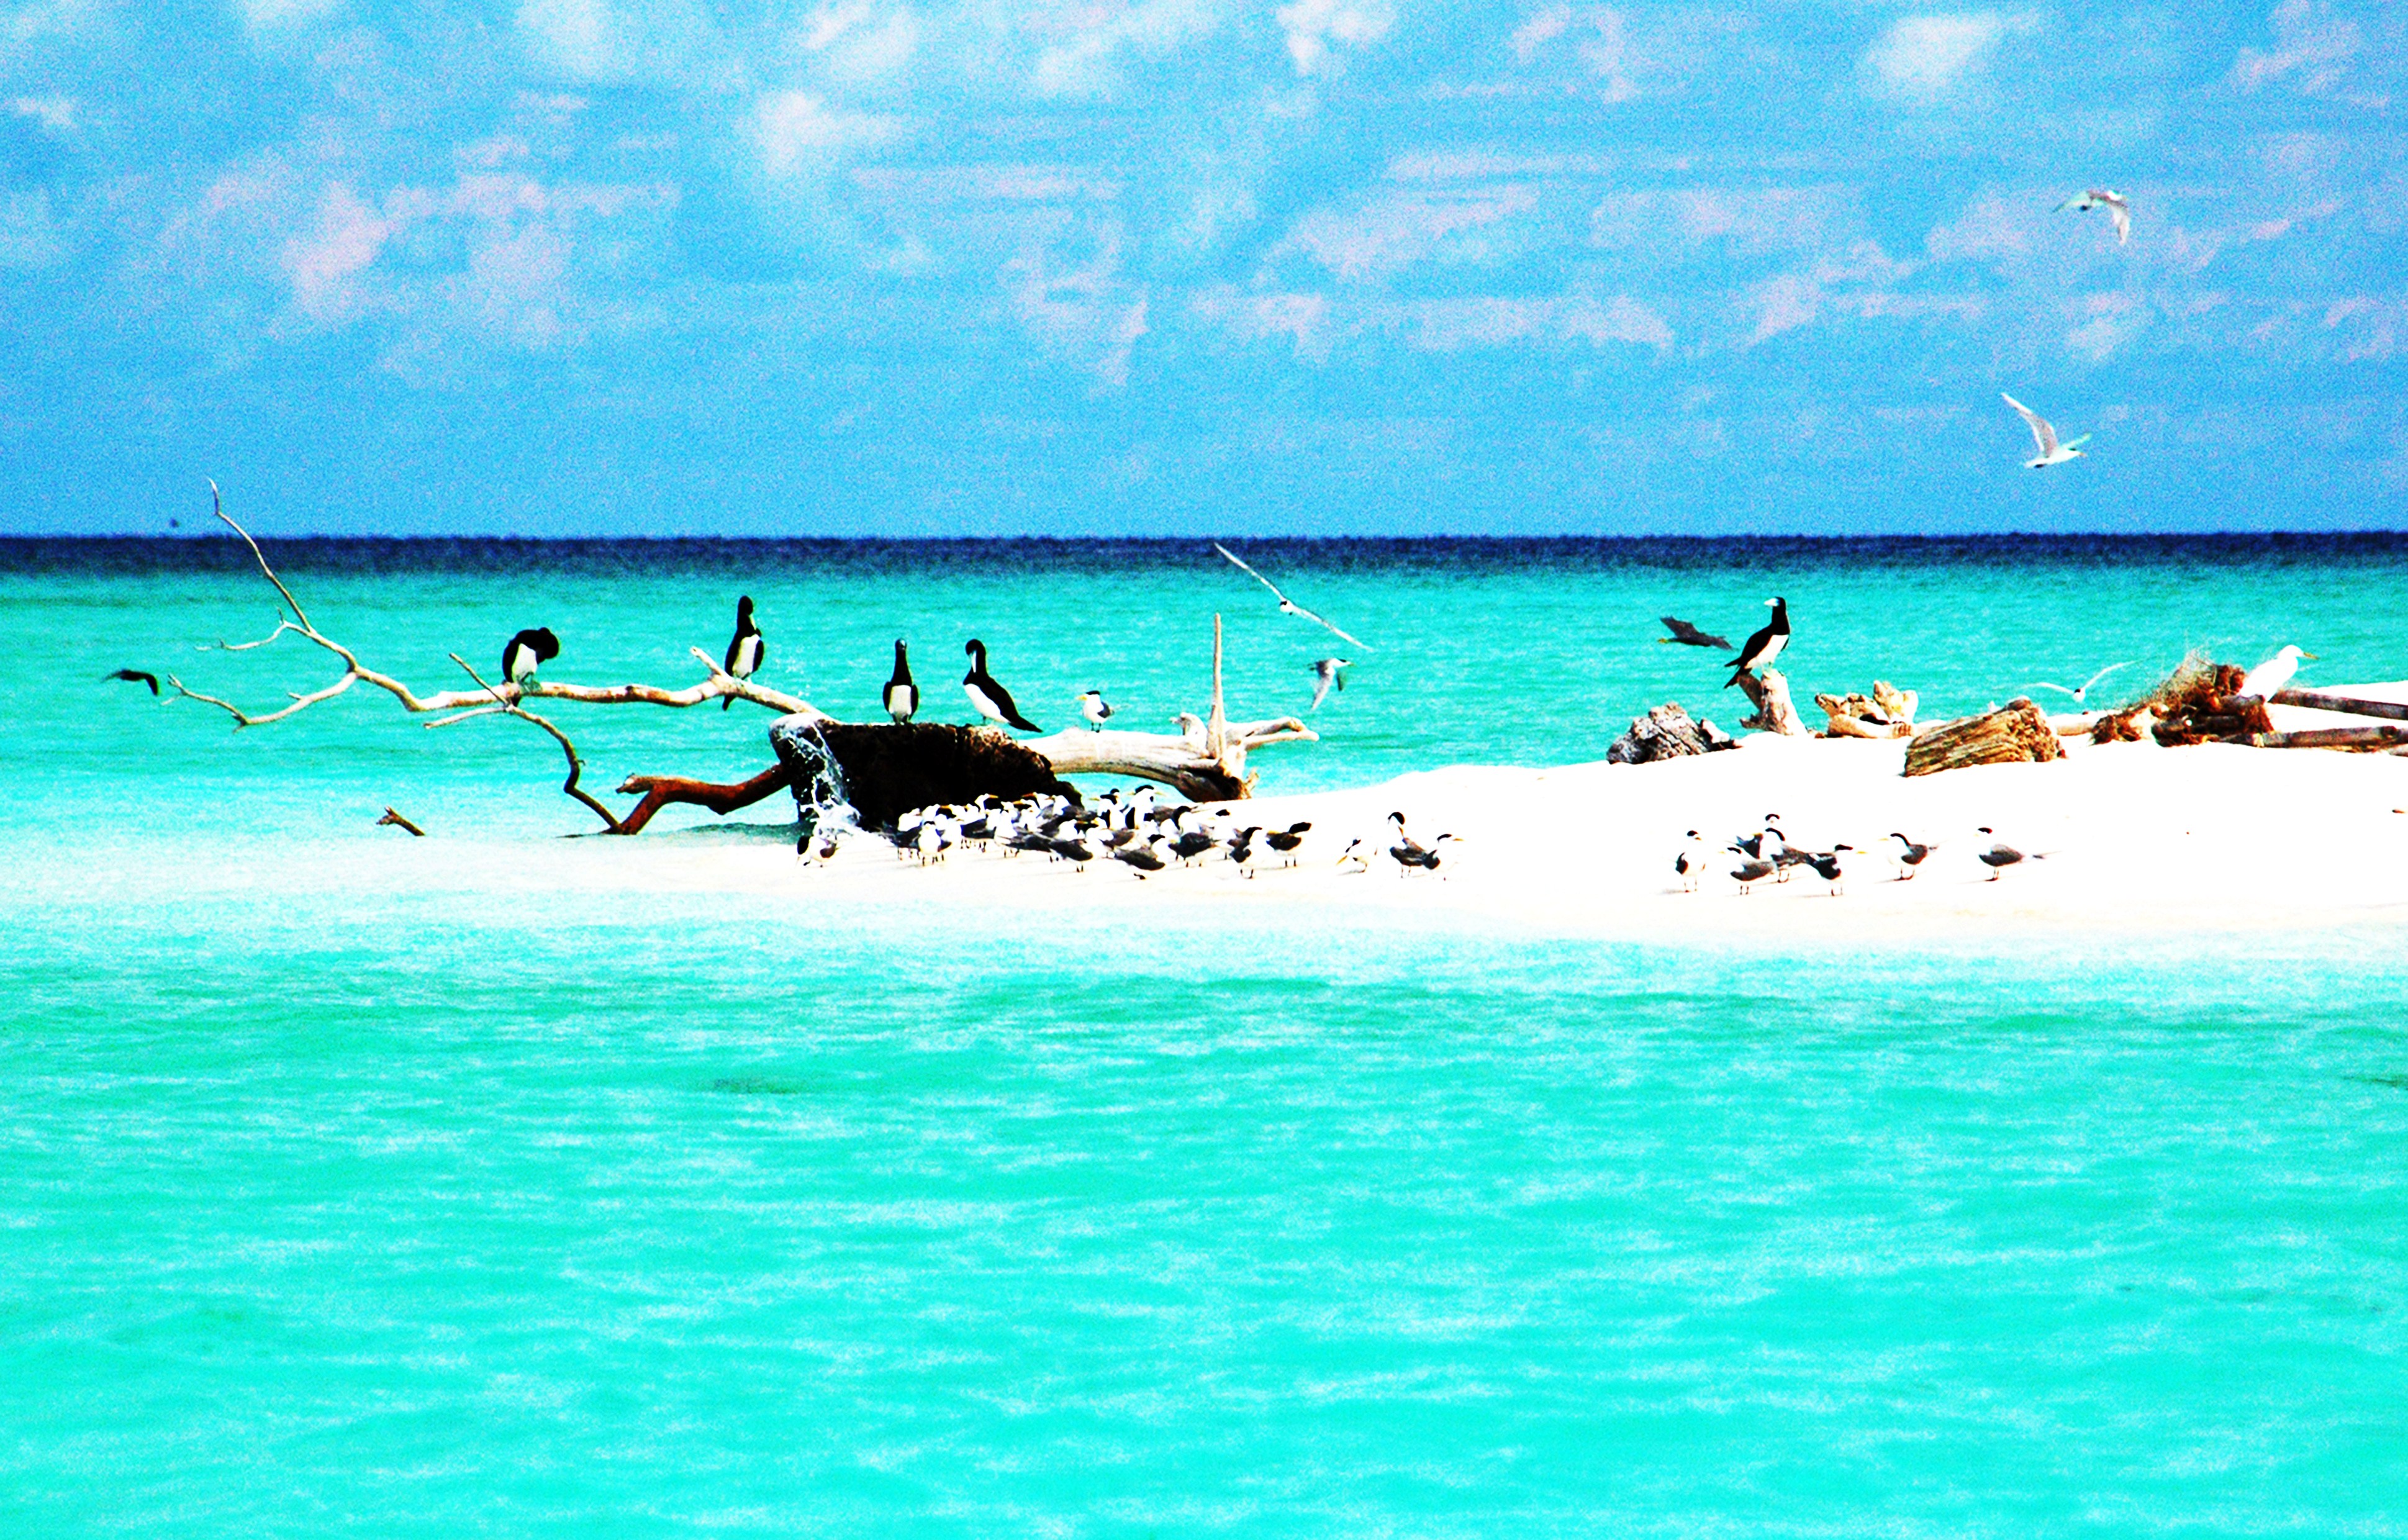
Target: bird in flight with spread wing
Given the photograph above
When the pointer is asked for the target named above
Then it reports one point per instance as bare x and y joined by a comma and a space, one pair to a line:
1288, 606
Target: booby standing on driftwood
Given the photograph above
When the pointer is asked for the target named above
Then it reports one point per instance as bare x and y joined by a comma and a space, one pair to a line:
745, 649
1093, 706
1766, 645
902, 696
992, 700
528, 651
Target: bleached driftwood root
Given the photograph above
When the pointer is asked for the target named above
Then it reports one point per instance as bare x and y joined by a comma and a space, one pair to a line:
1774, 710
1207, 764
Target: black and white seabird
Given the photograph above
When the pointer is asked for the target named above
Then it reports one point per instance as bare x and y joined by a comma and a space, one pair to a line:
1910, 855
1353, 855
902, 696
1093, 706
135, 676
1765, 846
1142, 859
745, 649
992, 700
1749, 873
1688, 635
1285, 841
1828, 866
1287, 606
1766, 645
1689, 865
528, 651
1999, 856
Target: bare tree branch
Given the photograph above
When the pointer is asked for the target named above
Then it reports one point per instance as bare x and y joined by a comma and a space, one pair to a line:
575, 766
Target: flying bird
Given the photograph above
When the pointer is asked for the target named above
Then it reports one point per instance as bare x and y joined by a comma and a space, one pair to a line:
993, 700
2081, 691
2118, 208
1287, 605
2051, 452
1689, 636
1327, 675
902, 696
1766, 645
745, 649
525, 651
135, 676
2274, 675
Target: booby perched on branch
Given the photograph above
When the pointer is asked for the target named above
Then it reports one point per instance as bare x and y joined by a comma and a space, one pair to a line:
1766, 645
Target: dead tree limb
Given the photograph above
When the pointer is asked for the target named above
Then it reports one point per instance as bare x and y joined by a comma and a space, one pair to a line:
718, 684
660, 791
568, 787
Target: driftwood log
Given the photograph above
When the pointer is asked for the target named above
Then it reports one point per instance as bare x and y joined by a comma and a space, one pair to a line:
1667, 732
1888, 712
2332, 738
2349, 705
2016, 733
1774, 710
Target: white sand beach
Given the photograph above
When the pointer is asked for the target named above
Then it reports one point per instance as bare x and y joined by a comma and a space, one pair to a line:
2125, 838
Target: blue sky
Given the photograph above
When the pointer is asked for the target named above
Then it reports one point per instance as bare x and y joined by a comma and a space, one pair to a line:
674, 267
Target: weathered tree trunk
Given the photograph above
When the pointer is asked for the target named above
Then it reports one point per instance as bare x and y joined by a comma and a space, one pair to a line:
1666, 732
1774, 710
2016, 733
661, 791
2317, 701
2332, 738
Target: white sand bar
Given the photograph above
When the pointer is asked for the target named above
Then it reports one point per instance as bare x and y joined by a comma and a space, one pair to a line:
2127, 838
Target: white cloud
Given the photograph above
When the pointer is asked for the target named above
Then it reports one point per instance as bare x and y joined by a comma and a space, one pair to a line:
2313, 51
325, 264
1313, 25
1397, 230
56, 113
1924, 58
797, 131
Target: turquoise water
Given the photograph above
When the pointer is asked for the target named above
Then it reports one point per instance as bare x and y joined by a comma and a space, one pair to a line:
428, 1205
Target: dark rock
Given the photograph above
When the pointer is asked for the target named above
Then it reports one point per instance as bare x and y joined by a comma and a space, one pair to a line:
884, 770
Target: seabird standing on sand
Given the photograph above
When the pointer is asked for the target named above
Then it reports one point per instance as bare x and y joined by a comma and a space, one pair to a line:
1093, 707
902, 696
2051, 452
1287, 606
1141, 857
2081, 691
1750, 873
1999, 856
135, 676
2274, 675
1909, 857
1689, 865
1766, 645
993, 700
1826, 866
1353, 853
1285, 841
2118, 208
1327, 675
745, 649
1765, 846
526, 652
1689, 636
